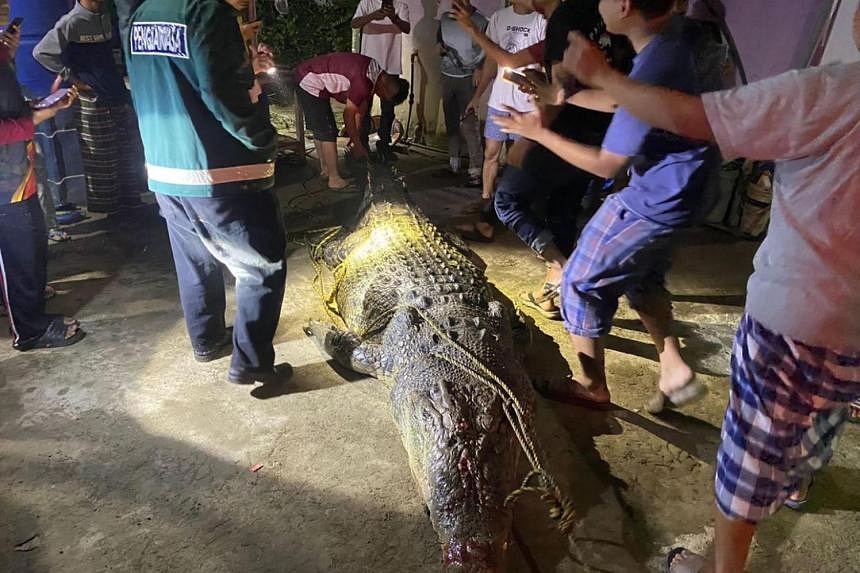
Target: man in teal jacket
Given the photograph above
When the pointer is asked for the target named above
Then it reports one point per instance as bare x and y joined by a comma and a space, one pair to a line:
210, 151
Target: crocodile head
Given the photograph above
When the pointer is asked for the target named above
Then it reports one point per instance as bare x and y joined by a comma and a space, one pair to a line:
464, 459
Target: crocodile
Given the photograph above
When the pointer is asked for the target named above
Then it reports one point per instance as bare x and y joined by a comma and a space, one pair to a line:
418, 313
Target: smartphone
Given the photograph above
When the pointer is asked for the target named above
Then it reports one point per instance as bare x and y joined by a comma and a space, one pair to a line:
15, 24
387, 4
516, 78
52, 99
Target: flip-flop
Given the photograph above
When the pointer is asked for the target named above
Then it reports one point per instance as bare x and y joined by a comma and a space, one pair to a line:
797, 504
58, 236
55, 336
672, 555
574, 393
534, 303
854, 412
687, 394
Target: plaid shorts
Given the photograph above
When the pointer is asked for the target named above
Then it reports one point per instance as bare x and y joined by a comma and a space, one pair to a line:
619, 253
787, 405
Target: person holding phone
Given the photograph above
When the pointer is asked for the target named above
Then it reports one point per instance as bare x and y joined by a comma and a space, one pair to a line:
79, 49
382, 24
23, 235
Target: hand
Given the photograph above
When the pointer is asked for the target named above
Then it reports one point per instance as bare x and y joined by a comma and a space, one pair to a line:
81, 87
472, 107
584, 60
11, 40
544, 92
383, 13
47, 113
251, 29
263, 62
527, 125
462, 12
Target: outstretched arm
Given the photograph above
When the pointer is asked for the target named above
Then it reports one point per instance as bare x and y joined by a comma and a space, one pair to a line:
660, 107
595, 160
494, 52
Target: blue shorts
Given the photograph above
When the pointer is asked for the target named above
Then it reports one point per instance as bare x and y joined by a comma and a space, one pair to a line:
619, 253
493, 131
787, 405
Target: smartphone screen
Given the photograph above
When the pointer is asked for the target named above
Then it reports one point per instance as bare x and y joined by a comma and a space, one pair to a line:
52, 99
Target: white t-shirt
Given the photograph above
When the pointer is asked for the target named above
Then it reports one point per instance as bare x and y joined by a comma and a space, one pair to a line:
513, 32
381, 39
806, 283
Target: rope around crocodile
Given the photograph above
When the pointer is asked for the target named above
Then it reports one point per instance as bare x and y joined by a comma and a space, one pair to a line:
561, 508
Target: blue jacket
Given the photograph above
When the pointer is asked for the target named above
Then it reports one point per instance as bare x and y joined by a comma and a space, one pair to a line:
190, 79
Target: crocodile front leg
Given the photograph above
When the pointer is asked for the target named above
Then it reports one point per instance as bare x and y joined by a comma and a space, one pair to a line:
347, 349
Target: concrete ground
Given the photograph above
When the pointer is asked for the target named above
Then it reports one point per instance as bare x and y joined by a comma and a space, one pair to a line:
123, 454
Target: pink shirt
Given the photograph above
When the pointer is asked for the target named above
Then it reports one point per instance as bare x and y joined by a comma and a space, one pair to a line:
341, 75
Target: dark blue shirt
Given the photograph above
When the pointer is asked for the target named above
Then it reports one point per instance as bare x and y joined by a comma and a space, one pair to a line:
669, 174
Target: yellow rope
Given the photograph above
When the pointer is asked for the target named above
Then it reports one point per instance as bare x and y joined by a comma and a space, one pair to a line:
561, 508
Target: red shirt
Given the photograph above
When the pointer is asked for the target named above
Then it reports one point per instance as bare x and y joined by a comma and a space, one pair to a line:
342, 76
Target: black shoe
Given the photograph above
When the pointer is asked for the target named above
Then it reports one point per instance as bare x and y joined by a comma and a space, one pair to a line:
222, 349
277, 375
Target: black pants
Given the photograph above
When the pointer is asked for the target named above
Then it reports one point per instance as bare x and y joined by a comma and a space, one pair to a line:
24, 270
245, 234
548, 179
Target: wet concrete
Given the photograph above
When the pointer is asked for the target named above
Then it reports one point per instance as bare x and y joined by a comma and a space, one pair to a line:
123, 454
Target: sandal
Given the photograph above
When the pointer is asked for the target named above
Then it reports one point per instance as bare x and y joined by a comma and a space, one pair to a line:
58, 236
690, 392
56, 335
797, 504
699, 561
549, 292
854, 411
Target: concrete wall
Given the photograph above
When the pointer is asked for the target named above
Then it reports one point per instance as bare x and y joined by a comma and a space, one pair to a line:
841, 47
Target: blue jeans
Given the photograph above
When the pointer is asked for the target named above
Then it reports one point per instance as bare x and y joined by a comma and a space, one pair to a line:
245, 234
559, 189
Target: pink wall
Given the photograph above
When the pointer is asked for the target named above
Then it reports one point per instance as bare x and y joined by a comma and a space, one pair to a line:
775, 35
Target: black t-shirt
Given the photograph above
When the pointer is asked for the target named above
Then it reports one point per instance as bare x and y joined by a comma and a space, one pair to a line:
584, 17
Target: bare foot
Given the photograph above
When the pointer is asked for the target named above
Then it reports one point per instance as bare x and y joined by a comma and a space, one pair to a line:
337, 182
675, 377
573, 392
687, 562
485, 229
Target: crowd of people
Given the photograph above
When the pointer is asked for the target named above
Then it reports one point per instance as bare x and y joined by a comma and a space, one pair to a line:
586, 96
